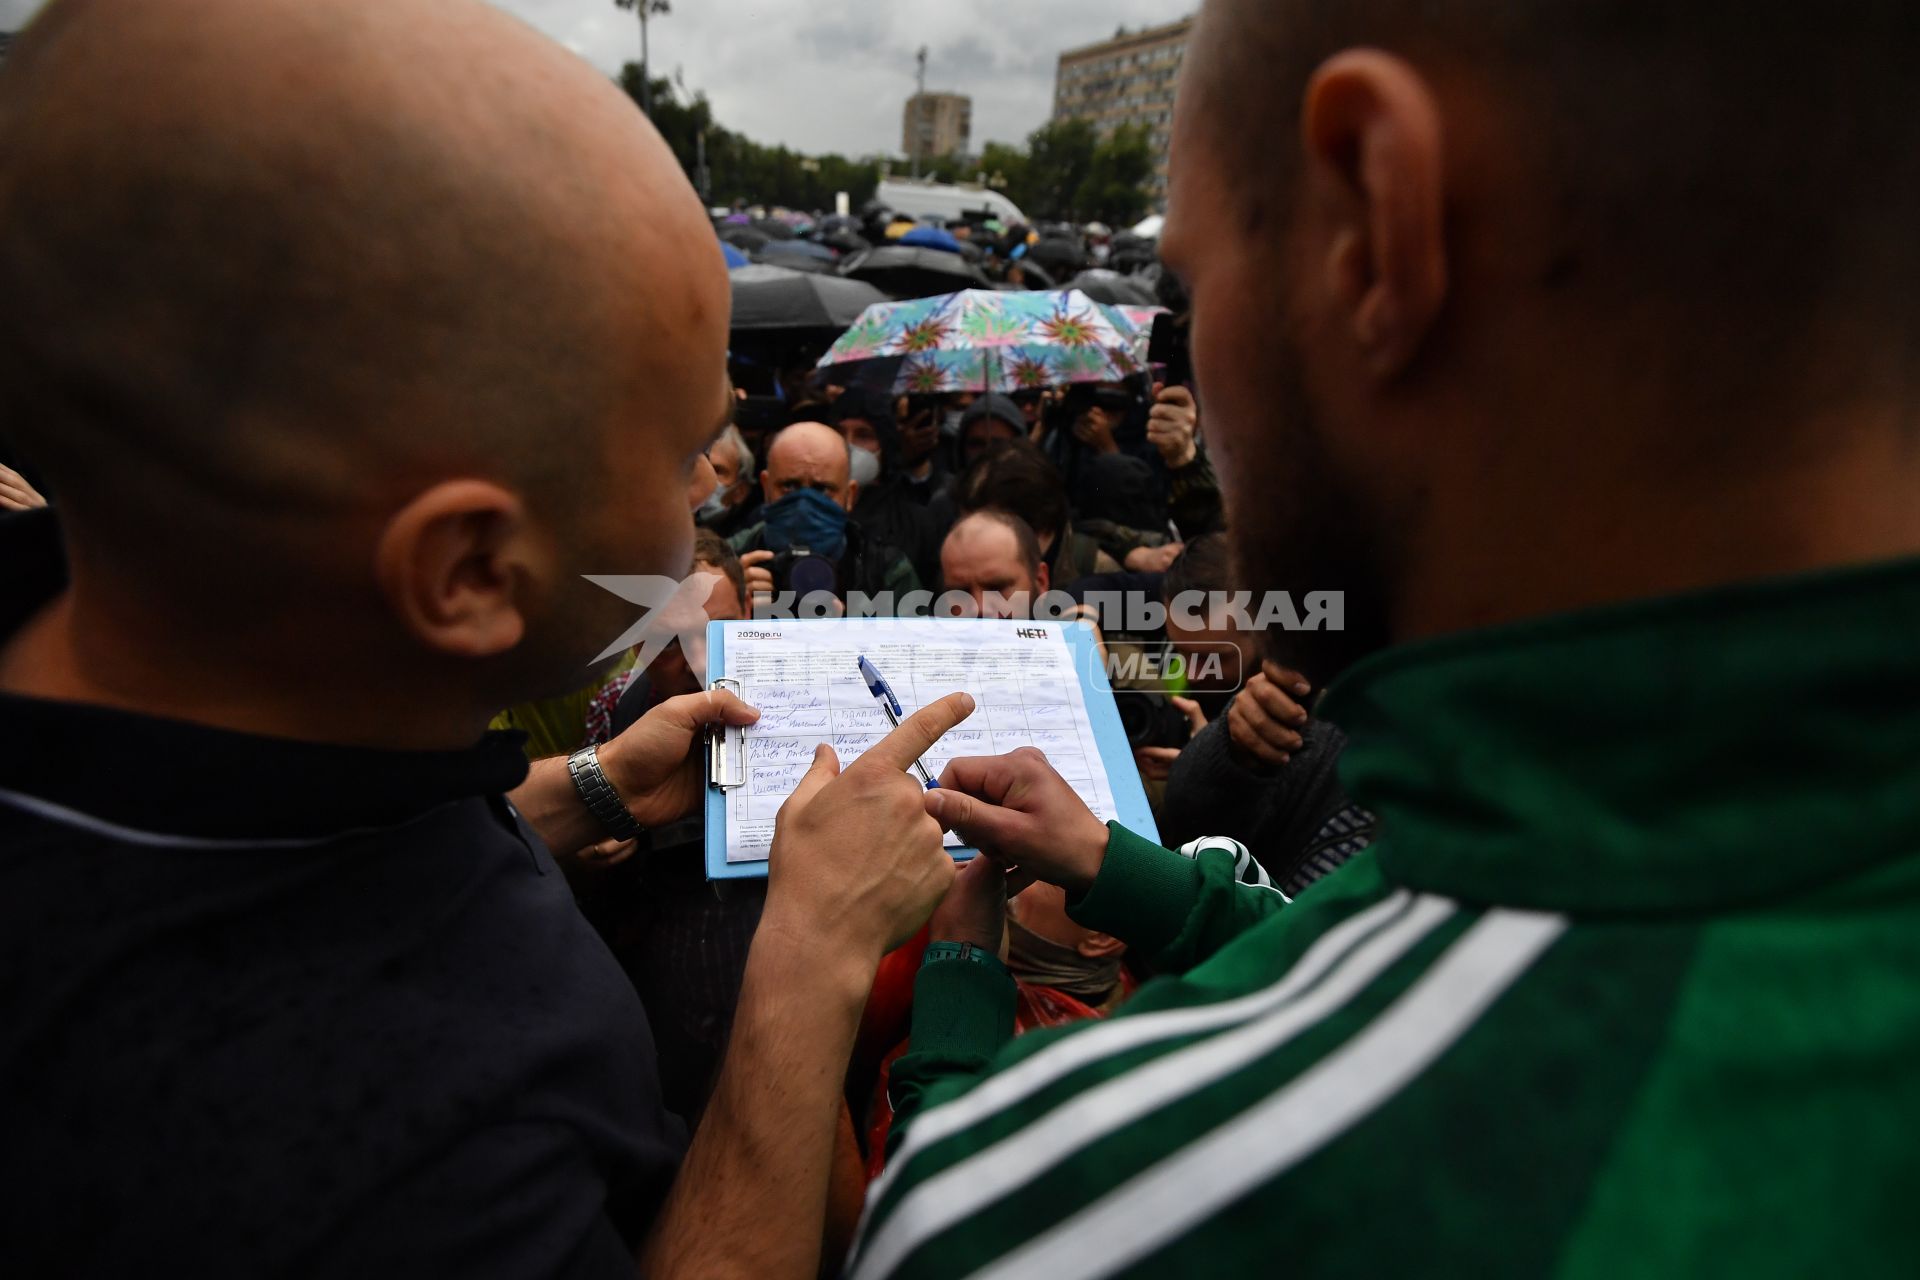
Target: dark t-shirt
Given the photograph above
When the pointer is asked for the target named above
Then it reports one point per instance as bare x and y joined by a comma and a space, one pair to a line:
270, 1007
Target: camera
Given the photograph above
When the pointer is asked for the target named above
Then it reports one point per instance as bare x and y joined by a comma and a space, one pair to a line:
1167, 348
804, 571
1151, 720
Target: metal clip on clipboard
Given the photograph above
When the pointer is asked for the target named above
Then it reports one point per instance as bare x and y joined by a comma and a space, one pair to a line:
726, 748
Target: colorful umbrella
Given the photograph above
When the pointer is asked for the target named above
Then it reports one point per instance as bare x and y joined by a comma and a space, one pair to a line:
979, 340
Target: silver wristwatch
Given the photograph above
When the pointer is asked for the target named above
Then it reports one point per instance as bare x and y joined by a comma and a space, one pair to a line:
602, 801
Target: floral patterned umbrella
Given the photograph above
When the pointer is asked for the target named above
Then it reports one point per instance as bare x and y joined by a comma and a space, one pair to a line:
980, 340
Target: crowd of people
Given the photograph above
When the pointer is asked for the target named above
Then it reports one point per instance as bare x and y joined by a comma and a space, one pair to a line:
353, 917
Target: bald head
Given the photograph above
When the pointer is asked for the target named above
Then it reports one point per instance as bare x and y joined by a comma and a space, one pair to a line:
296, 297
810, 455
272, 254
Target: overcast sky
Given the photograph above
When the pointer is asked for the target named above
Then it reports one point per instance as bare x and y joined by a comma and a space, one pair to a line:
833, 75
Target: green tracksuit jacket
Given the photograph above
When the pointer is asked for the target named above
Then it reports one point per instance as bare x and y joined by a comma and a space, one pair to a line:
1628, 986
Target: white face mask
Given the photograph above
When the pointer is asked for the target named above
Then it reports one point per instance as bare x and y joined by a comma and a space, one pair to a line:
950, 421
713, 507
866, 466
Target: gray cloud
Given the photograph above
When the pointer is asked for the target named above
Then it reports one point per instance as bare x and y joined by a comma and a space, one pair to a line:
824, 76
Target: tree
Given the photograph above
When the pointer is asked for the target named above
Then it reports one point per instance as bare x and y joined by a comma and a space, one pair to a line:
741, 169
1059, 158
1008, 168
1114, 190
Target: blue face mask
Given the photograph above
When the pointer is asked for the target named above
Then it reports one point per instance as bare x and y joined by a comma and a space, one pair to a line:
810, 519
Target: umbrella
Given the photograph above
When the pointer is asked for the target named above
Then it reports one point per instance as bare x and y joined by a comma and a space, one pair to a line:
931, 238
980, 340
1113, 288
908, 272
1033, 275
745, 238
1141, 318
846, 241
773, 229
1059, 255
787, 249
734, 257
768, 297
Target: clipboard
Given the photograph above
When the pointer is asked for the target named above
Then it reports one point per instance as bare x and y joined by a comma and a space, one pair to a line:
727, 750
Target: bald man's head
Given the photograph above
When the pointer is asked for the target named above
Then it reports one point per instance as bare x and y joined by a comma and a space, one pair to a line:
810, 455
270, 270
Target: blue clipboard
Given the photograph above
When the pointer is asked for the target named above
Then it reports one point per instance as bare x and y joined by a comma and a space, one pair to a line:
1129, 796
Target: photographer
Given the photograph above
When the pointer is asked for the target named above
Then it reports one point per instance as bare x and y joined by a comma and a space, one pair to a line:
806, 543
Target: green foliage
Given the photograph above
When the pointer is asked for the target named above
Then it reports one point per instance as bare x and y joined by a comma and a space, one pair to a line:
1059, 157
1114, 190
741, 169
1066, 171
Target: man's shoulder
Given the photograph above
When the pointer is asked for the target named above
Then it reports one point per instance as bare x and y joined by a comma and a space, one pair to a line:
239, 1050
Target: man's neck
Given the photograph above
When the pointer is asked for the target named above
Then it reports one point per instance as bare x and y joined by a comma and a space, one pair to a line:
72, 652
920, 471
1555, 549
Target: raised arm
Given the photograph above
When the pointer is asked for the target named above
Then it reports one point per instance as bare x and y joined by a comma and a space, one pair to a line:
857, 866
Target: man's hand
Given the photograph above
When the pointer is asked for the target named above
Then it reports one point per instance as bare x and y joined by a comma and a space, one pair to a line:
759, 577
1264, 723
1156, 763
1172, 424
1094, 428
1018, 809
856, 860
1153, 559
655, 764
919, 436
975, 908
16, 494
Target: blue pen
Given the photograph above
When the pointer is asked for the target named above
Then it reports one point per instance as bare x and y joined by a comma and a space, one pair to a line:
883, 694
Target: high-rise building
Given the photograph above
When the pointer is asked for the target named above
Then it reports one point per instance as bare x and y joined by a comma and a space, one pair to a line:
937, 124
1126, 80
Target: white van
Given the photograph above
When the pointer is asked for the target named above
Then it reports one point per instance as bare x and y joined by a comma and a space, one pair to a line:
945, 201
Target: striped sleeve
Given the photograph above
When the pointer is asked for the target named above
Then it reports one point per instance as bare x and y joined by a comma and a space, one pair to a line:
1176, 908
1127, 1143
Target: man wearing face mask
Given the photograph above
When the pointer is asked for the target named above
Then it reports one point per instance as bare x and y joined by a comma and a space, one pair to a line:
887, 507
806, 542
1063, 973
735, 503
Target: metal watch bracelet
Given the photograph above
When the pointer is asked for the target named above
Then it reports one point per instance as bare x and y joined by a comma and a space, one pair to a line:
602, 801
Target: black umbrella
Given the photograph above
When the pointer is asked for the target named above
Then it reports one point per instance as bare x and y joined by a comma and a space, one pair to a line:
774, 229
1033, 275
1114, 289
1060, 256
801, 255
744, 237
906, 272
768, 297
846, 241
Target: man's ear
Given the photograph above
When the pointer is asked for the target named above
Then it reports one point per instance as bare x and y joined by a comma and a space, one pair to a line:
1098, 946
1372, 134
853, 494
1042, 580
766, 487
455, 564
